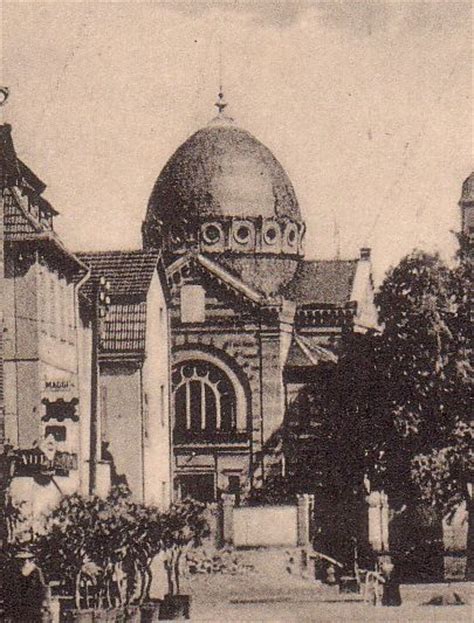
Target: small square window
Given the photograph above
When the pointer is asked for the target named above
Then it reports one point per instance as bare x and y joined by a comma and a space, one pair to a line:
58, 432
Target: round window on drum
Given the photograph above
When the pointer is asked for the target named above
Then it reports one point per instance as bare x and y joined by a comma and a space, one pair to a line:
270, 235
212, 234
292, 237
242, 234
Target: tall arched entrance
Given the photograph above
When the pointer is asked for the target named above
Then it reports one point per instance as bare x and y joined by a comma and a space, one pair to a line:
210, 435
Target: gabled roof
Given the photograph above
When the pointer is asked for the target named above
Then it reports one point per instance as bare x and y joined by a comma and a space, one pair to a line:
128, 272
305, 352
325, 282
265, 274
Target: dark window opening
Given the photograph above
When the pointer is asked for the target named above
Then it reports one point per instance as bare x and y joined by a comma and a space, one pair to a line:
200, 487
58, 432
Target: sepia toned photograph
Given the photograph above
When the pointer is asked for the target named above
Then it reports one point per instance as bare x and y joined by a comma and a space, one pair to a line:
236, 285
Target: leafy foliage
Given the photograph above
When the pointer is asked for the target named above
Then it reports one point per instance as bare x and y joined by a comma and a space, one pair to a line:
102, 549
183, 525
396, 410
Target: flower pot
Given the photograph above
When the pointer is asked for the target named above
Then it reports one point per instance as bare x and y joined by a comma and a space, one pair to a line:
79, 616
66, 604
120, 615
132, 614
150, 611
175, 607
106, 616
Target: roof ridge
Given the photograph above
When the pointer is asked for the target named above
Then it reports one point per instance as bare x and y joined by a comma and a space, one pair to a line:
327, 260
119, 252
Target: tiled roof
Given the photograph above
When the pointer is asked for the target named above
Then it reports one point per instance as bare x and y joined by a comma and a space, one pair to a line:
17, 222
306, 352
325, 282
128, 272
265, 274
125, 327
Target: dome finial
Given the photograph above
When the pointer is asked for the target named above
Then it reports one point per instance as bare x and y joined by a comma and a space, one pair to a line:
221, 104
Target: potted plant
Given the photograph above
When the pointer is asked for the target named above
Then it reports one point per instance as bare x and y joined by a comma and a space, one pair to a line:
62, 550
142, 531
100, 551
183, 526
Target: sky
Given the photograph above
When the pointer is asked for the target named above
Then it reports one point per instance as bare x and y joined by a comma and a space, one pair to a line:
367, 105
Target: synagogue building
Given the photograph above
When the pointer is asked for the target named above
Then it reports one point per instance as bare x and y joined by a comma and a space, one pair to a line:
251, 319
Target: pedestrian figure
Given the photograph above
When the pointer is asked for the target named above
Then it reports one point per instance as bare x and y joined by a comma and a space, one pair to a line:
391, 585
24, 591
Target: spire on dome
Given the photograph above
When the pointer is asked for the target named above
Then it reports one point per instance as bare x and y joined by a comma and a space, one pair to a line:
221, 104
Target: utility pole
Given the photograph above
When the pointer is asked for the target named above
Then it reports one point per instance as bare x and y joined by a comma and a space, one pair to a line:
100, 306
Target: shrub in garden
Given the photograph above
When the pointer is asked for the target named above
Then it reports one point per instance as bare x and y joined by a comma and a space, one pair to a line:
183, 526
101, 550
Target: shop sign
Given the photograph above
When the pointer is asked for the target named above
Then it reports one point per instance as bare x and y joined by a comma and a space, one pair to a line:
58, 385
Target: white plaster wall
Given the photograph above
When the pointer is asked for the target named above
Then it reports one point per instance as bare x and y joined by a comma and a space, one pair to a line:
156, 412
265, 526
84, 353
363, 294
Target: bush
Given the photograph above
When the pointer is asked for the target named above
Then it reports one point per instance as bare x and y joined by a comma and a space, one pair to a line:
101, 550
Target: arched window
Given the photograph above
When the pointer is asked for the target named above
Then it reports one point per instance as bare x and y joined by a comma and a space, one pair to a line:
204, 398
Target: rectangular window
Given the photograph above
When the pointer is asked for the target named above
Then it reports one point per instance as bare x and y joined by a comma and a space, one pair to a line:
52, 307
103, 413
192, 304
63, 310
146, 418
42, 298
164, 501
71, 311
58, 432
162, 405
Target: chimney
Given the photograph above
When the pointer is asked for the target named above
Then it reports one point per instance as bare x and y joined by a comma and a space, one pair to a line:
365, 253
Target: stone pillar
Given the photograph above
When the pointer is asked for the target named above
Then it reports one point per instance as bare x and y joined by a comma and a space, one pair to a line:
378, 521
304, 509
227, 518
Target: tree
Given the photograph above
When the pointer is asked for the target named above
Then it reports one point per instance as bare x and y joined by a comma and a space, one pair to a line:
107, 544
183, 525
396, 408
428, 366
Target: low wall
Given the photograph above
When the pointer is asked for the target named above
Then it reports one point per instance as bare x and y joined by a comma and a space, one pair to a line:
266, 526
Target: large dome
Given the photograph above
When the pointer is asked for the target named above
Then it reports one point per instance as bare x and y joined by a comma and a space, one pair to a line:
223, 170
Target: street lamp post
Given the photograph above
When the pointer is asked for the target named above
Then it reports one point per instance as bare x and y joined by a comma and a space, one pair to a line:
101, 302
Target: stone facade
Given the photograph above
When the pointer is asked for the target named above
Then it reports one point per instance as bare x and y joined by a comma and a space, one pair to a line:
250, 319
